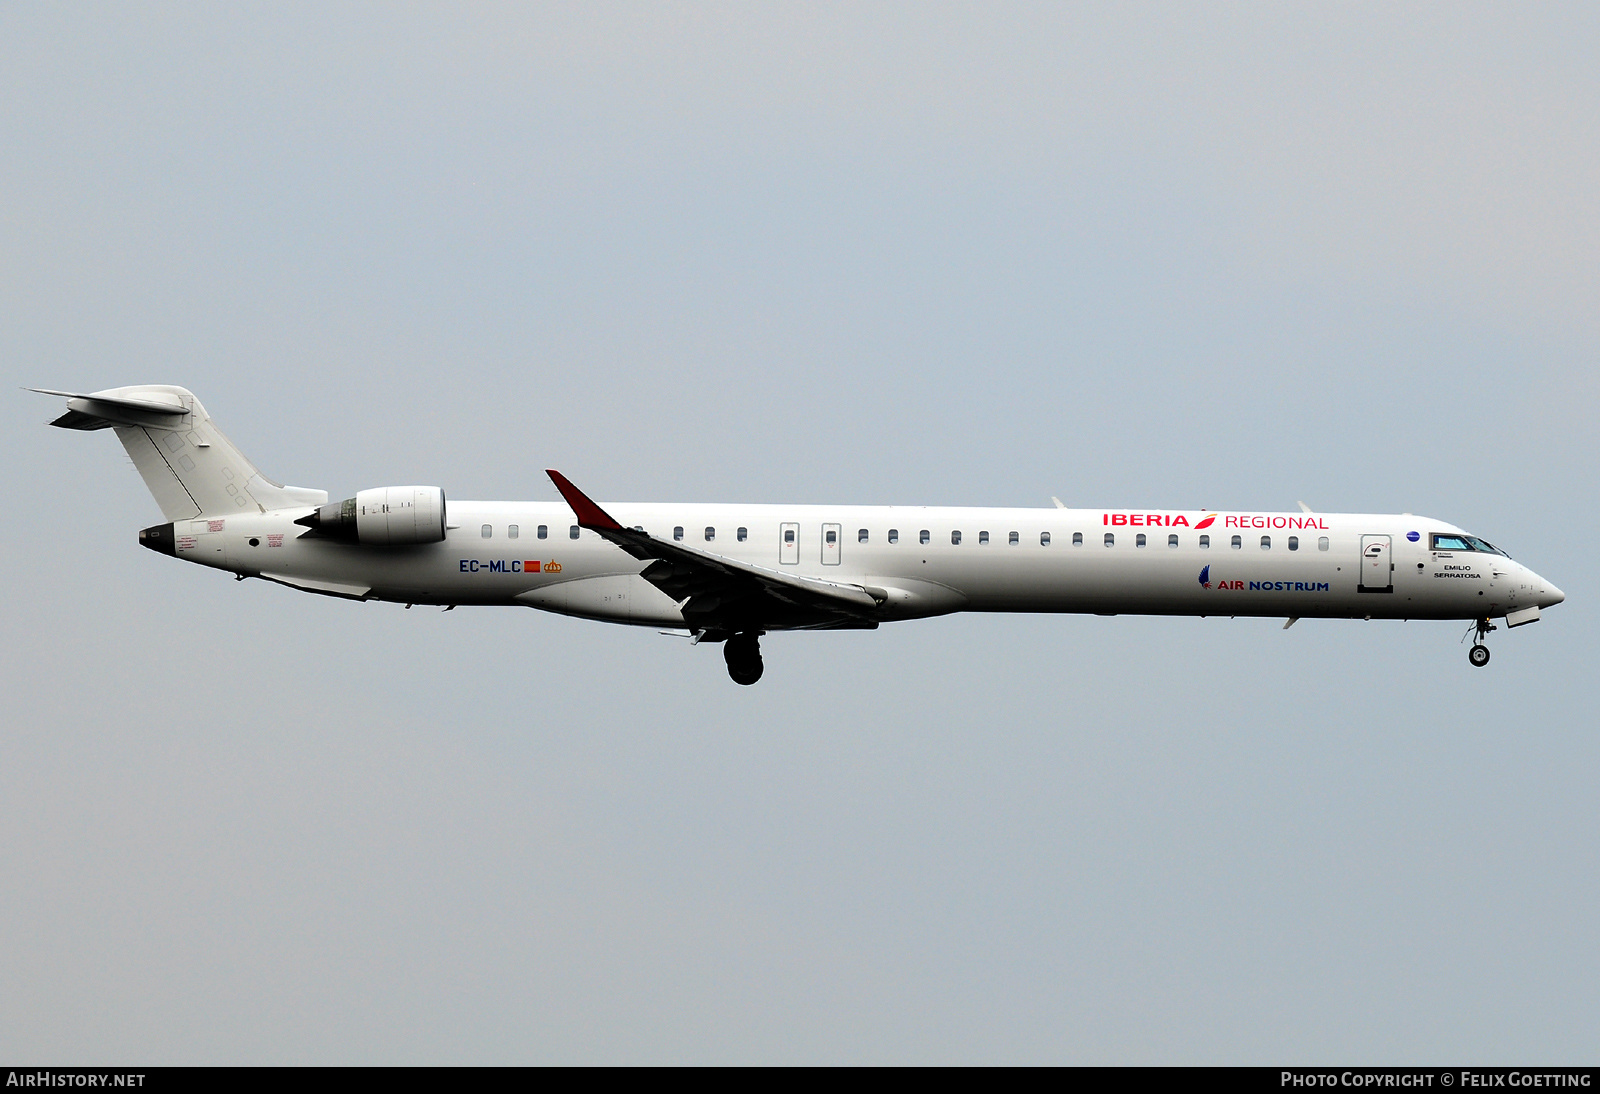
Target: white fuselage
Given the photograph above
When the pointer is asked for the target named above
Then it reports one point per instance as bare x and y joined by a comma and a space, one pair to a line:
729, 573
927, 560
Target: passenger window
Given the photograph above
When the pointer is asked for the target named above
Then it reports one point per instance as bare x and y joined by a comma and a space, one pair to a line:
955, 539
677, 533
1138, 541
544, 531
711, 533
1044, 539
742, 535
1015, 539
983, 537
1205, 543
1077, 539
861, 536
1266, 543
1172, 540
788, 535
512, 531
894, 535
923, 536
832, 538
1322, 543
573, 533
1111, 539
1237, 543
1294, 543
488, 530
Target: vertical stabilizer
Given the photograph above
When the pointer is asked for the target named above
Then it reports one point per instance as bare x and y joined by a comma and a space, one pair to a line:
190, 466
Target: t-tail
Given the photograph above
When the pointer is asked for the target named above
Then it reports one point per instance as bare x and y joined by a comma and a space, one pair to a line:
191, 468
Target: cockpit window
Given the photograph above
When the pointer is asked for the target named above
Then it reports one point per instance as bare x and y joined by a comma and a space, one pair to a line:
1464, 543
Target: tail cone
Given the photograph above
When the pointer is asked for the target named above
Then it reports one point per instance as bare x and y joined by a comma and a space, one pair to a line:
159, 537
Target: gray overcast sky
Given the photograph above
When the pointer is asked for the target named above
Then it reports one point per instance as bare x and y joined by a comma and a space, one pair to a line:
1184, 255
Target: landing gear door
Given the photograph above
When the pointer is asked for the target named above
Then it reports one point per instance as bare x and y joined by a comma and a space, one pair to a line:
1377, 568
830, 545
789, 544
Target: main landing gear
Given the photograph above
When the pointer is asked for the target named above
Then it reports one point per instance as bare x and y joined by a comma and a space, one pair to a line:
1479, 653
742, 652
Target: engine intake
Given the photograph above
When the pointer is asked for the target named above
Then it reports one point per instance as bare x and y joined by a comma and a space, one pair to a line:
387, 516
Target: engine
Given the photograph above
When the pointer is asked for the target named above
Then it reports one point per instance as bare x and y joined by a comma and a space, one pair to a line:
388, 516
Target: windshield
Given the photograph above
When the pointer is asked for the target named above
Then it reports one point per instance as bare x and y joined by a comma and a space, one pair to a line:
1465, 543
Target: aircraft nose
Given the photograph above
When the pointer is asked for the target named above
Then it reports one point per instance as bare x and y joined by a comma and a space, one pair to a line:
1551, 595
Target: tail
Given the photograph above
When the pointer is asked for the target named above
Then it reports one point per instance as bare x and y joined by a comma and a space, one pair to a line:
190, 467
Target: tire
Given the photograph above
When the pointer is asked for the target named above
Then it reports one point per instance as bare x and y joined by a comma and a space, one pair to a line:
1478, 655
745, 673
742, 652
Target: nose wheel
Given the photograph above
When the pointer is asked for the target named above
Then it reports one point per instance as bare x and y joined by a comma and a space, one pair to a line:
742, 652
1479, 653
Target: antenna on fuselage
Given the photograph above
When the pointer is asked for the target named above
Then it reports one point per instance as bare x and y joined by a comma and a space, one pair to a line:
1057, 501
1304, 508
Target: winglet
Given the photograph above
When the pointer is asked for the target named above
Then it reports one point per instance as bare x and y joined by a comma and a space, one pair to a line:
588, 513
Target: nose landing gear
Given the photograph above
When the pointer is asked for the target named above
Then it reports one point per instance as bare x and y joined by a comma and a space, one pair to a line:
1479, 653
742, 652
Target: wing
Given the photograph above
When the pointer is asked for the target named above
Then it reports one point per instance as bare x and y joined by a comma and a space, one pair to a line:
718, 594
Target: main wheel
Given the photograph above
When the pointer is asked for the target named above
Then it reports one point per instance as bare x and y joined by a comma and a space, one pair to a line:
742, 652
745, 673
1478, 655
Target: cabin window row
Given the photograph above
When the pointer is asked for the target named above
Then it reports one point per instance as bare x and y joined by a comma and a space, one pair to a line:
514, 531
1236, 542
740, 534
925, 536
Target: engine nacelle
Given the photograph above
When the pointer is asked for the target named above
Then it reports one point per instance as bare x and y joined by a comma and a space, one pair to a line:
388, 516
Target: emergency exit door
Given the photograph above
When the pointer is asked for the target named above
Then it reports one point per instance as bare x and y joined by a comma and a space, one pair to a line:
830, 545
1377, 568
789, 544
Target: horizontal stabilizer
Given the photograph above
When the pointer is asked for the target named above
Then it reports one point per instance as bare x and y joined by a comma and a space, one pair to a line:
116, 406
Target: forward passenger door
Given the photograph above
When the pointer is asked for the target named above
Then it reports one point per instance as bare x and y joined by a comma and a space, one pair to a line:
1377, 568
